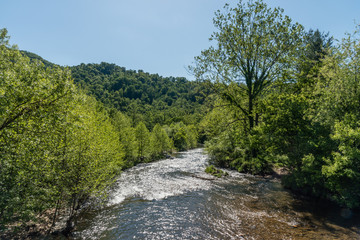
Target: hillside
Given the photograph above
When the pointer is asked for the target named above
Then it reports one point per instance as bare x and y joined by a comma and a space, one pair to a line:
34, 56
143, 96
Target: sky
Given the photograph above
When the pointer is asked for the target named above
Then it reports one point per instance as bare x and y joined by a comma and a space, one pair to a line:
156, 36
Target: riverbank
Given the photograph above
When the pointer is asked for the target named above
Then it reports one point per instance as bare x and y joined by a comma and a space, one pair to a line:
176, 199
43, 226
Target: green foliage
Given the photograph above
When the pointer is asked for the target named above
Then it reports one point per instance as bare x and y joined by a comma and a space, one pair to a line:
342, 168
215, 172
95, 152
289, 130
180, 140
139, 144
143, 142
4, 38
160, 142
338, 108
253, 46
143, 96
127, 137
58, 146
184, 137
326, 137
280, 107
231, 146
316, 46
35, 57
33, 102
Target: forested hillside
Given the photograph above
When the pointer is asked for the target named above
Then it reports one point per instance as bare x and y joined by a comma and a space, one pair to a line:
35, 57
141, 95
269, 95
63, 143
159, 100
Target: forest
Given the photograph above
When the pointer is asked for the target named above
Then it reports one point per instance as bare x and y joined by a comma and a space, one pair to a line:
63, 142
269, 95
286, 98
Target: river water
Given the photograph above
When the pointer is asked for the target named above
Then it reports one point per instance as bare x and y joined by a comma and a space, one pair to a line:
175, 199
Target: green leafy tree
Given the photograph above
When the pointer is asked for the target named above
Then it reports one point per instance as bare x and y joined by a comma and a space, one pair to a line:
192, 136
160, 142
143, 141
253, 45
338, 108
127, 137
33, 106
142, 95
316, 46
314, 131
58, 146
342, 168
4, 38
180, 139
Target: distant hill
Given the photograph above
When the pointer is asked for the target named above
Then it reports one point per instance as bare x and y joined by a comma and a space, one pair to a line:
157, 99
34, 56
143, 96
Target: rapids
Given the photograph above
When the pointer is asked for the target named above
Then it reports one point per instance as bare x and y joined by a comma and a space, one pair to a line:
175, 199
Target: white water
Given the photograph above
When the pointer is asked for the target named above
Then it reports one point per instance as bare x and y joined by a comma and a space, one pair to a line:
175, 199
159, 180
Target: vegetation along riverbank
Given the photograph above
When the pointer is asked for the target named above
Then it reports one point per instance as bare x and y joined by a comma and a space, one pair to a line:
268, 95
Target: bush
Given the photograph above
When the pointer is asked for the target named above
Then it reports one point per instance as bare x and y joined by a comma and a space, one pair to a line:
215, 172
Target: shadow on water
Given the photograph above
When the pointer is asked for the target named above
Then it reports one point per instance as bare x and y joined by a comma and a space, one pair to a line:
322, 215
175, 199
283, 215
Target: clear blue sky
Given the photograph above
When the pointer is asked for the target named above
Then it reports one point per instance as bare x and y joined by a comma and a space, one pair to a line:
157, 36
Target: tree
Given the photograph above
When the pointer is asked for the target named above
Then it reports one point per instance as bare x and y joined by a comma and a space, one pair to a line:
316, 46
127, 137
57, 145
141, 95
192, 136
180, 139
4, 38
316, 128
338, 108
253, 45
159, 141
143, 141
34, 103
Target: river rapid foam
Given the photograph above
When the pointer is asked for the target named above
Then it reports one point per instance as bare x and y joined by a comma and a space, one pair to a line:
175, 199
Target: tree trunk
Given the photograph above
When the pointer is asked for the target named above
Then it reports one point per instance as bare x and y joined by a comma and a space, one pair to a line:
250, 113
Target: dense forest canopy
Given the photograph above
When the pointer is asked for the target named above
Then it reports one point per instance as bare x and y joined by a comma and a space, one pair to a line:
268, 95
58, 146
285, 98
141, 95
64, 142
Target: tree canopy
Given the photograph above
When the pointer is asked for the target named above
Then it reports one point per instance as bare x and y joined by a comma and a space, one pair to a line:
61, 147
286, 98
140, 95
253, 46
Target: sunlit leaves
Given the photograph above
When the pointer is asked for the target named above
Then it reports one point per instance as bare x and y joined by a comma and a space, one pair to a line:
58, 147
254, 45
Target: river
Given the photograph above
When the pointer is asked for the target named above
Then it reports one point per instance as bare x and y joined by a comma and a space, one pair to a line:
175, 199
